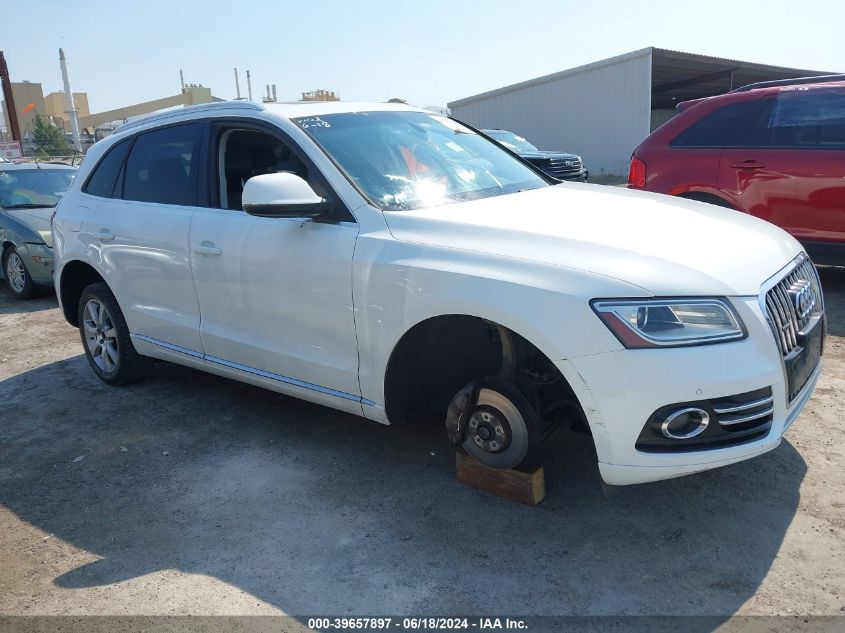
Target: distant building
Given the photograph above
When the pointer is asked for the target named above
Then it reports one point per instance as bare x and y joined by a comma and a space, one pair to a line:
29, 102
55, 106
320, 95
603, 110
191, 95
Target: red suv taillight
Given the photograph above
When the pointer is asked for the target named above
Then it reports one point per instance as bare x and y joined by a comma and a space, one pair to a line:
636, 174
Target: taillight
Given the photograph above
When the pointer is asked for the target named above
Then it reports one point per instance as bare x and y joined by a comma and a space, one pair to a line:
636, 174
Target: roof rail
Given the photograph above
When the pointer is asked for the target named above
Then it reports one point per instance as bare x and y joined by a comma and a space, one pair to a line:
820, 79
200, 107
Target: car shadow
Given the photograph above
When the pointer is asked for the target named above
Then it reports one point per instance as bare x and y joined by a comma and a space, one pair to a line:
318, 512
44, 300
833, 286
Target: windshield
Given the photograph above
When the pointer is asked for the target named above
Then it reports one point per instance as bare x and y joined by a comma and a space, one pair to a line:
23, 188
411, 160
511, 141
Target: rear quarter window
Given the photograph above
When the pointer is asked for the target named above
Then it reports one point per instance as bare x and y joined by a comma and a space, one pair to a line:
103, 179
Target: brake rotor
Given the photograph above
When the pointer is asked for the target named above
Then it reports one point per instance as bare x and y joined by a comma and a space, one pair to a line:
498, 432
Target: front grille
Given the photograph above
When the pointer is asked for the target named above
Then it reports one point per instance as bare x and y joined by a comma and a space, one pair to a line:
558, 166
795, 310
792, 304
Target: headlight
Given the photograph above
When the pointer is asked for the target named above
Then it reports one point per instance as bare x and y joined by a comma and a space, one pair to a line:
47, 236
641, 323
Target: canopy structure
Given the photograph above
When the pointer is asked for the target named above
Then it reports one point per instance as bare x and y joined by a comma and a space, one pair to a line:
677, 76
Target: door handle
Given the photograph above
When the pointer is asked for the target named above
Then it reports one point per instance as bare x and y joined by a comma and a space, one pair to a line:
748, 164
207, 248
104, 235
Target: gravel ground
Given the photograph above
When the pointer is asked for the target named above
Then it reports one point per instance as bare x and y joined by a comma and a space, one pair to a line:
191, 494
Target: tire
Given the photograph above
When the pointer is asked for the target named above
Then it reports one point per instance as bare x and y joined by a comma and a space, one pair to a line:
18, 279
509, 421
105, 338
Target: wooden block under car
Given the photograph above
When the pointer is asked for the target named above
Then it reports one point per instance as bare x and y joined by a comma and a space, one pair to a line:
526, 486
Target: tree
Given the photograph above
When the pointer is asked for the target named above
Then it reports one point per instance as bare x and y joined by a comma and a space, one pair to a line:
48, 140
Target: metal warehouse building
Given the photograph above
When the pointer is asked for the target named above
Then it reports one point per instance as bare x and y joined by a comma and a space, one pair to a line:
603, 110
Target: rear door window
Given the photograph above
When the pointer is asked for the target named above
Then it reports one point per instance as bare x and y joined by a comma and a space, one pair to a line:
162, 166
755, 130
102, 181
809, 119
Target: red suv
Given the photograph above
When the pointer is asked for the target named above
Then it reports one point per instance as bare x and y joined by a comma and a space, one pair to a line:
775, 150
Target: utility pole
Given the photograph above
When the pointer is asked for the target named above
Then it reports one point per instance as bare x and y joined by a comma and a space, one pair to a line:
70, 106
248, 85
237, 86
8, 97
182, 79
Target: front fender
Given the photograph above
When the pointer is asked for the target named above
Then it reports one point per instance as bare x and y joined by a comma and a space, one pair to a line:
27, 243
398, 285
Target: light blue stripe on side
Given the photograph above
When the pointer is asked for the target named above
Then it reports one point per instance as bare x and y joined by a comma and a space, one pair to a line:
284, 379
171, 346
257, 372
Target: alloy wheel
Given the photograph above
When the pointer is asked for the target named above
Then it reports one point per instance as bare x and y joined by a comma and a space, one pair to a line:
100, 336
15, 272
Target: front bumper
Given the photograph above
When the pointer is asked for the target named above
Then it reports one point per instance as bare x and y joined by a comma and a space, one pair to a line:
620, 390
580, 176
38, 259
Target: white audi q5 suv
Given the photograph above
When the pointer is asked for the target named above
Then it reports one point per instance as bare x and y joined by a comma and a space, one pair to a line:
397, 264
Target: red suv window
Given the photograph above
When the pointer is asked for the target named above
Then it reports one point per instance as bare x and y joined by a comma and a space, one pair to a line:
814, 119
721, 128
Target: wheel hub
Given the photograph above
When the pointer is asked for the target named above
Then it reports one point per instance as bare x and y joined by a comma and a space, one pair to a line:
489, 429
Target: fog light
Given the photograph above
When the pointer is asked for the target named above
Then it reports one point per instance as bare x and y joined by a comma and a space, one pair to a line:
685, 423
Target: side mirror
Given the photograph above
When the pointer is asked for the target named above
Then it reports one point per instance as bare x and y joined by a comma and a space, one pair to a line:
282, 195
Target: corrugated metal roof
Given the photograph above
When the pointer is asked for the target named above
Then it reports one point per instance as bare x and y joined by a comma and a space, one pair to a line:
667, 53
667, 62
678, 76
559, 75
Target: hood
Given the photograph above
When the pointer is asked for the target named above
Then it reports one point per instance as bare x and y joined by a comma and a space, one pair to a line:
37, 220
539, 154
666, 246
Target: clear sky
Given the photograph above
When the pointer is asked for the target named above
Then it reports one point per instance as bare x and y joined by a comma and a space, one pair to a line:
428, 52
